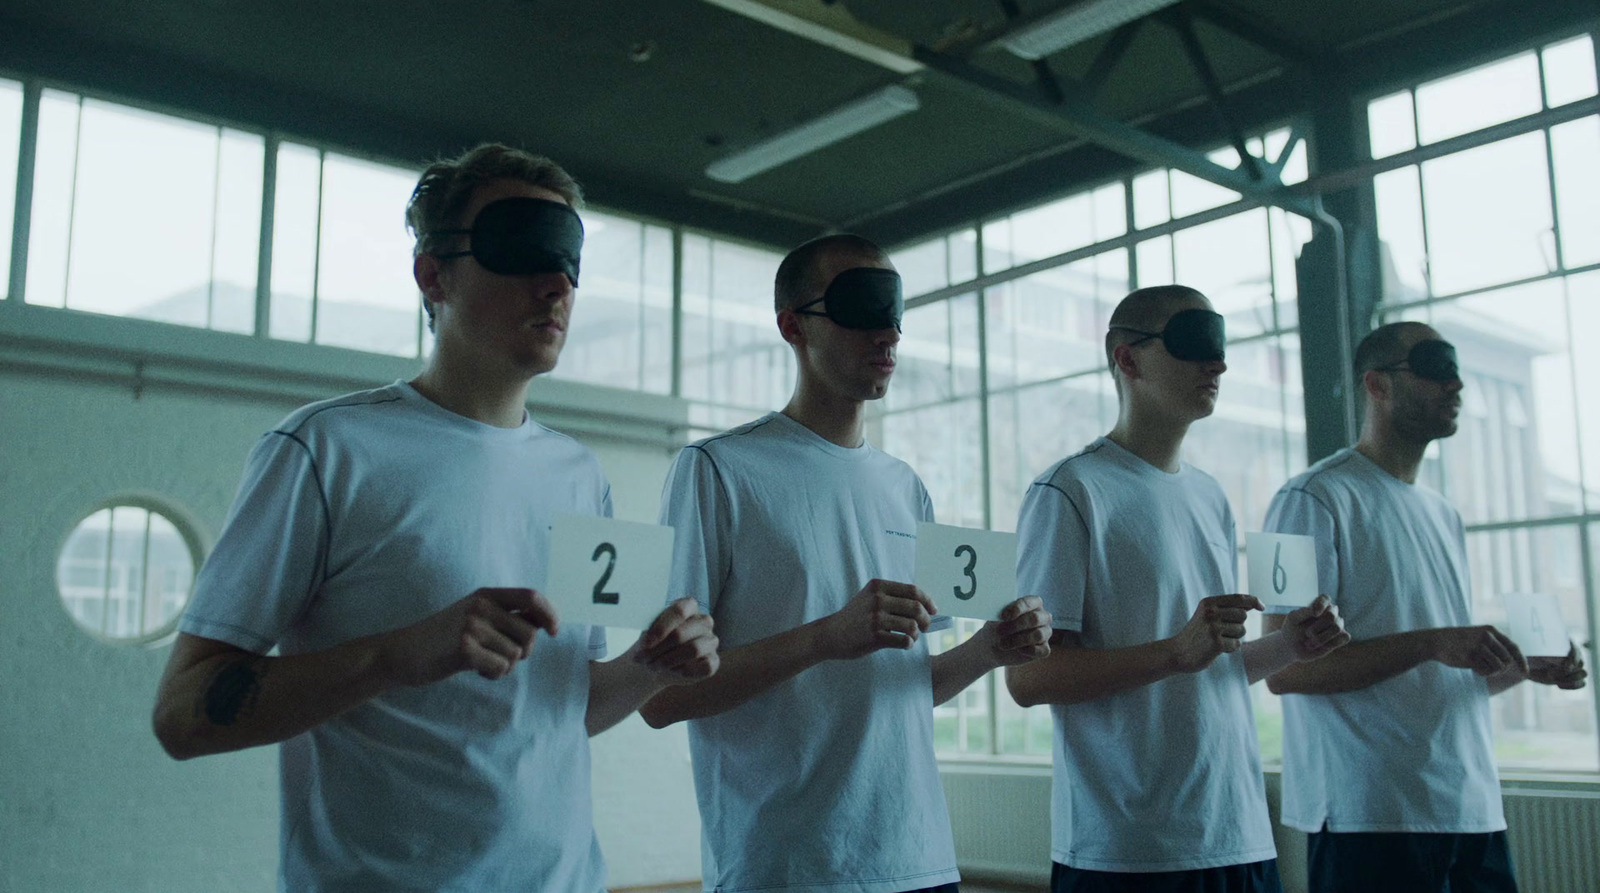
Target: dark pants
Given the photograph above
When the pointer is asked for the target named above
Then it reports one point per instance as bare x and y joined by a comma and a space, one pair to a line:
1409, 863
1254, 877
942, 888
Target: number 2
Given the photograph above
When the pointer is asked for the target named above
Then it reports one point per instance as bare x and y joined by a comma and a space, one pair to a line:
972, 562
601, 597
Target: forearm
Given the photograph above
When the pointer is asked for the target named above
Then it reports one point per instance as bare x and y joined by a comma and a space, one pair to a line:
1355, 666
745, 672
1073, 674
1505, 680
617, 688
230, 699
1267, 655
958, 668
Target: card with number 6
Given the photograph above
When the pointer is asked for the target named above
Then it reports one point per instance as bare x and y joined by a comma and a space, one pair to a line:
609, 572
1283, 568
967, 572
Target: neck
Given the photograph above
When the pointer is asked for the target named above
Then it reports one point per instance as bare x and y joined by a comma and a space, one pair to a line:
468, 391
835, 419
1394, 454
1155, 440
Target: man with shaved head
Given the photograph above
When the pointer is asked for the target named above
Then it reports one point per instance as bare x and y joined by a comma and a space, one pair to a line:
1158, 781
1388, 762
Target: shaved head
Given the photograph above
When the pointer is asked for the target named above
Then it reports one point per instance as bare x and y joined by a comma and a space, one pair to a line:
1147, 310
799, 278
1388, 344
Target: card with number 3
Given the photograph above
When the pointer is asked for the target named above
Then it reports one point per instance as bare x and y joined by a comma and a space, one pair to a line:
967, 572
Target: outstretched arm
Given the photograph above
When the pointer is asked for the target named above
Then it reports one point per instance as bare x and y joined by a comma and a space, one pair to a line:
1073, 674
215, 697
881, 615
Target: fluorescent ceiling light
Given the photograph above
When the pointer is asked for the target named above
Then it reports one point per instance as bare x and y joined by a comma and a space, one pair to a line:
845, 121
1075, 23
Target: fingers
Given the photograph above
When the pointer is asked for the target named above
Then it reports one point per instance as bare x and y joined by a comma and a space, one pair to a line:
885, 639
911, 609
668, 620
1228, 608
1499, 650
909, 627
1236, 600
1022, 615
1517, 659
694, 659
696, 628
532, 606
904, 591
485, 661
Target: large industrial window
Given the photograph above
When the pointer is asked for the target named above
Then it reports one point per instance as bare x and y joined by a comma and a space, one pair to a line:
146, 215
10, 139
1498, 247
341, 257
621, 333
735, 365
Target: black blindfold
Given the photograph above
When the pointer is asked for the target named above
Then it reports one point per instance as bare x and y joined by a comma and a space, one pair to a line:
1196, 335
522, 236
861, 298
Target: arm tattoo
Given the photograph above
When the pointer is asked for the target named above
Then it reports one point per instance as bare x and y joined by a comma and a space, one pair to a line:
233, 690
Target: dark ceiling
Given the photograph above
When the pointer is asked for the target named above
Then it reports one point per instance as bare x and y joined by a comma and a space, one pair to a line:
410, 79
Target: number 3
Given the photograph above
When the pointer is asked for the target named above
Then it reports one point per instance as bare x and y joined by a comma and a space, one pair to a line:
601, 597
972, 562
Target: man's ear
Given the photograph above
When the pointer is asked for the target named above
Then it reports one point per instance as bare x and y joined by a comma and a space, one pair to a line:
426, 270
1122, 355
1376, 384
789, 327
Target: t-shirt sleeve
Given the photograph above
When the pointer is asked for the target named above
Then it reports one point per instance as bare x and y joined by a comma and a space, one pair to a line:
1295, 510
1053, 553
272, 554
939, 621
695, 504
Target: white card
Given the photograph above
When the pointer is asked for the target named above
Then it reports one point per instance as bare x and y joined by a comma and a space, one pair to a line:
967, 572
1533, 621
1283, 568
609, 572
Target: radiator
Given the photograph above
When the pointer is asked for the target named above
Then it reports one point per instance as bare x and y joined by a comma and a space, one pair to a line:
1555, 839
1000, 816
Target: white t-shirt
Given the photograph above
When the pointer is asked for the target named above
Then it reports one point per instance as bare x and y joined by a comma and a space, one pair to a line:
1414, 752
825, 783
1165, 777
370, 512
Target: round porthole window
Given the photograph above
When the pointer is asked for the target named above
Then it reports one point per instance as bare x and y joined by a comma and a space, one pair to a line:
125, 573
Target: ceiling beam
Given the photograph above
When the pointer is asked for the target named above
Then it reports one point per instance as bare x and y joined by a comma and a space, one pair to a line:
1285, 47
1077, 118
1180, 21
831, 25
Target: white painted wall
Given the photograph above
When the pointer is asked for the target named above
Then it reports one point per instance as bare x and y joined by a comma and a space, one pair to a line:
88, 801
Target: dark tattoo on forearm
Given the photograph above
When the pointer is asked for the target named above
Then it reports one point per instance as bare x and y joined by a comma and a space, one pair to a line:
233, 690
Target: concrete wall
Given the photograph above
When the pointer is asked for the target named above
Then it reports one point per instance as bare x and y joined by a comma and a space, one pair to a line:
88, 801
